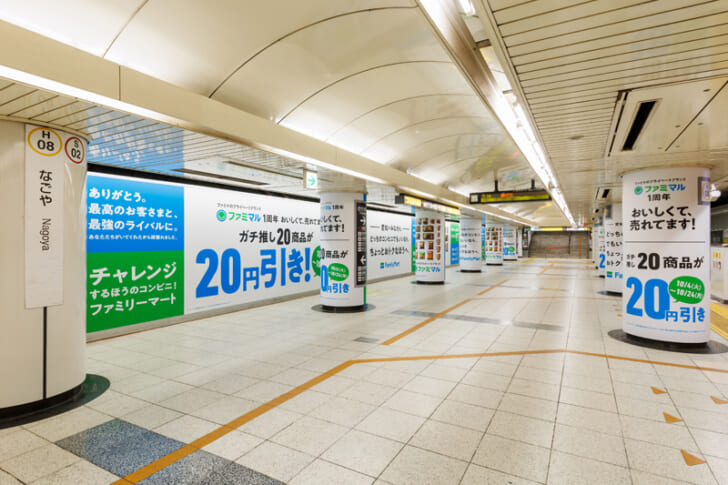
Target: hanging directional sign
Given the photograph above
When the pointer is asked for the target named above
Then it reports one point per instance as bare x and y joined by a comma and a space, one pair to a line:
502, 197
310, 180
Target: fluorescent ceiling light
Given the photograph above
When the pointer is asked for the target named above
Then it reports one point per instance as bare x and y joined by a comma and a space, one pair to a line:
467, 7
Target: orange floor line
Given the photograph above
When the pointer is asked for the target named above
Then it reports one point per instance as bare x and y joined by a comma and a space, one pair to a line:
190, 448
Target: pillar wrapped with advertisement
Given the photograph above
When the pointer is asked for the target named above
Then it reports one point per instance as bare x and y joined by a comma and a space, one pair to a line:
471, 246
614, 280
509, 243
601, 244
429, 247
666, 220
493, 244
343, 238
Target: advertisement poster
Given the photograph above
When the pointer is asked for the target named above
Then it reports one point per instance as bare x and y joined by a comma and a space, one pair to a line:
601, 246
135, 245
242, 247
454, 243
493, 244
430, 246
509, 243
614, 280
666, 222
470, 244
389, 244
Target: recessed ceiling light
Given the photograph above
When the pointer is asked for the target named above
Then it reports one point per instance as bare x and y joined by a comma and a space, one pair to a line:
576, 137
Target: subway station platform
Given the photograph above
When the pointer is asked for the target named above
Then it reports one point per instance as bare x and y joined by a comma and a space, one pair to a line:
508, 376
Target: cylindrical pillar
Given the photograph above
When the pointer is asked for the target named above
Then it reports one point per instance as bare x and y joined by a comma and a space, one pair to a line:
519, 242
343, 251
593, 244
471, 246
601, 246
493, 243
614, 280
509, 243
429, 247
666, 217
43, 261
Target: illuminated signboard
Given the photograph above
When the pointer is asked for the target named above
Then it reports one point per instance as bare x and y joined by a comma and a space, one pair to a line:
425, 204
502, 197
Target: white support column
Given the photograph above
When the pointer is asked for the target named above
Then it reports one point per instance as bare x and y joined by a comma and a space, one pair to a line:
614, 266
429, 246
509, 243
343, 251
43, 261
471, 245
666, 221
493, 244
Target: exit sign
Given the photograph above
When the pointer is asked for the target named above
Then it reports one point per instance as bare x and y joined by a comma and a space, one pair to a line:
310, 180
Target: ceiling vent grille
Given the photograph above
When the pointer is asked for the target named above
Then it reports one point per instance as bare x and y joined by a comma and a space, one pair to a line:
221, 177
640, 119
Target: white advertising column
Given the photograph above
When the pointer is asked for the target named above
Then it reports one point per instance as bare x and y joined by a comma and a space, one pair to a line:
519, 242
43, 261
343, 253
471, 245
509, 243
429, 247
614, 280
493, 244
666, 221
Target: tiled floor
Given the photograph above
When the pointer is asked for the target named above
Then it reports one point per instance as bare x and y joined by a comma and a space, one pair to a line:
400, 413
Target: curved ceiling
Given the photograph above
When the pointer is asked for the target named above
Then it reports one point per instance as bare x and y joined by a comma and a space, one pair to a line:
376, 81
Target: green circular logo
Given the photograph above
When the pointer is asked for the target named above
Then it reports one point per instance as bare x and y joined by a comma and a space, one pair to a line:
221, 215
638, 190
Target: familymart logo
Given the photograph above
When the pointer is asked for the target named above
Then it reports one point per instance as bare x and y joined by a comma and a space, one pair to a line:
223, 215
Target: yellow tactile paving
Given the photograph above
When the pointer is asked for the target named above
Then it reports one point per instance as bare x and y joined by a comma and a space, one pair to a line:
719, 319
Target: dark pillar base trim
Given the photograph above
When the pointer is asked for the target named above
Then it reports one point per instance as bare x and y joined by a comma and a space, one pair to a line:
342, 309
91, 388
711, 347
471, 270
418, 282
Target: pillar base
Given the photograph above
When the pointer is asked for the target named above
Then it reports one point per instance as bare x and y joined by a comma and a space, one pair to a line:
87, 391
342, 309
710, 347
471, 270
418, 282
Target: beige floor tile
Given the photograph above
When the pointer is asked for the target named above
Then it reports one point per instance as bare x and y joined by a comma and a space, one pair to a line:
67, 424
80, 473
276, 461
389, 377
695, 418
588, 399
391, 424
528, 406
443, 372
151, 416
667, 462
464, 415
116, 404
719, 467
270, 423
225, 409
263, 391
17, 442
161, 391
429, 386
711, 443
294, 377
675, 435
447, 439
363, 452
413, 403
320, 472
345, 412
590, 444
186, 428
309, 435
414, 465
306, 402
369, 393
233, 445
566, 469
486, 380
640, 408
334, 385
697, 401
536, 389
513, 457
39, 462
478, 475
192, 400
600, 421
539, 375
477, 396
230, 384
644, 478
522, 428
